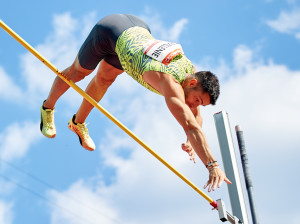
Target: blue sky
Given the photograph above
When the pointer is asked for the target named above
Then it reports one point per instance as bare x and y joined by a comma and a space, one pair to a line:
252, 46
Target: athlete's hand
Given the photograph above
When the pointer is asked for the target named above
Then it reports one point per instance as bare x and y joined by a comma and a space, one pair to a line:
187, 147
216, 178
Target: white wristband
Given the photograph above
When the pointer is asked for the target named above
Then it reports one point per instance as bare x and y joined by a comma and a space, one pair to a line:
213, 168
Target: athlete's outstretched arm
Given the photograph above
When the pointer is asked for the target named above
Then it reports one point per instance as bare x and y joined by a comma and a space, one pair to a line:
174, 97
187, 147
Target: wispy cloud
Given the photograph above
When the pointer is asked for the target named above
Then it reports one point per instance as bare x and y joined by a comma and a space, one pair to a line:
270, 90
158, 29
6, 215
287, 22
17, 138
82, 205
60, 48
8, 89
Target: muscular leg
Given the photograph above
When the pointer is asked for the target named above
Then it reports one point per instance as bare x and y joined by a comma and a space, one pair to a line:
105, 76
75, 73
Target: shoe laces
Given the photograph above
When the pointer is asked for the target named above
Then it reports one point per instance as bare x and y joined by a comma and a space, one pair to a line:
83, 130
49, 118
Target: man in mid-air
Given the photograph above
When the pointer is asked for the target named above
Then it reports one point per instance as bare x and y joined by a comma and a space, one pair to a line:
122, 42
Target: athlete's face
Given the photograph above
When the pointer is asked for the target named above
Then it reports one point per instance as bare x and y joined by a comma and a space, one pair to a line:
195, 96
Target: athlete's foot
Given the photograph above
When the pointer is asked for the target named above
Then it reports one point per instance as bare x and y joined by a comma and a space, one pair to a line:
82, 132
47, 125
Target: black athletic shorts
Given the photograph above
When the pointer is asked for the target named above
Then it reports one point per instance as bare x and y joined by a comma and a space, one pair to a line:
101, 42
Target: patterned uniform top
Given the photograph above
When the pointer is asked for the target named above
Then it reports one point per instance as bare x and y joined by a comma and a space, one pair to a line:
134, 62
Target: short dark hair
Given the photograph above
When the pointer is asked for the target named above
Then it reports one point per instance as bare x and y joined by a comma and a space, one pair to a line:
210, 84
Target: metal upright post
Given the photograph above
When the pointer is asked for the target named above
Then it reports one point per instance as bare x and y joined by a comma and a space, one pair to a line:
230, 166
249, 185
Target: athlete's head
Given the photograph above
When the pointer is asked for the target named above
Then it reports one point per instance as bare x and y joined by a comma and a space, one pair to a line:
201, 88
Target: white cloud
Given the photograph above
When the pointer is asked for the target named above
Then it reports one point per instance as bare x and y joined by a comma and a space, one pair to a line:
291, 1
158, 29
8, 89
176, 30
6, 215
81, 205
287, 22
64, 26
17, 138
60, 48
267, 94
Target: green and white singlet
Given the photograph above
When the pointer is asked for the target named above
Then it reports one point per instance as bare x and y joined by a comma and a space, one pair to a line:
134, 62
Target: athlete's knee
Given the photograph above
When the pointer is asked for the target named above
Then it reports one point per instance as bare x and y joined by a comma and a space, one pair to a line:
106, 74
75, 72
103, 81
79, 75
74, 75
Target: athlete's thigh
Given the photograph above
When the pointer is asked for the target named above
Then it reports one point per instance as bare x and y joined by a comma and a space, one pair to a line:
107, 72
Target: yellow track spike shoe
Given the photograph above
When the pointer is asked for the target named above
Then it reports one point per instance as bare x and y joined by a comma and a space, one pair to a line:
47, 125
82, 132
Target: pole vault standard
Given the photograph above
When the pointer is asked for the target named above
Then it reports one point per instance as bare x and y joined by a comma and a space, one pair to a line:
111, 117
247, 176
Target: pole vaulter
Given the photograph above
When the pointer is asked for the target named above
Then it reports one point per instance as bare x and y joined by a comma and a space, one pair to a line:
215, 204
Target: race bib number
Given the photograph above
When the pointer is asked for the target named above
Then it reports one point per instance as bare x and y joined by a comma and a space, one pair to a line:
162, 51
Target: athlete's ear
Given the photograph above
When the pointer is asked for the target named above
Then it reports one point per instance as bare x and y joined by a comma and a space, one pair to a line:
193, 82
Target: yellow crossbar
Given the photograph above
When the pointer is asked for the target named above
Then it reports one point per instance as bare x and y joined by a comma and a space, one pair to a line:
105, 112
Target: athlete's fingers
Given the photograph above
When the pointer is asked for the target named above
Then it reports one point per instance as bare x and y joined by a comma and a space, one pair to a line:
214, 186
194, 158
184, 147
220, 182
210, 186
205, 186
227, 180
